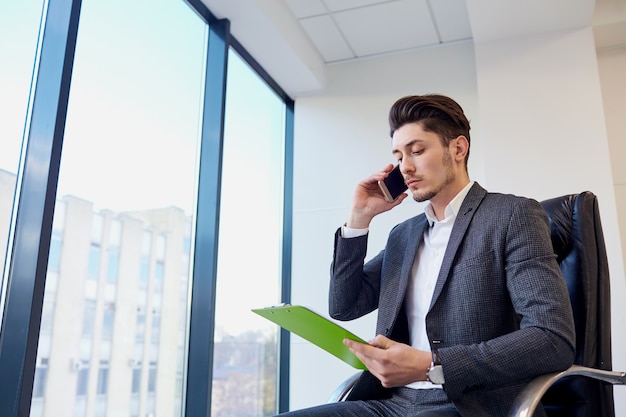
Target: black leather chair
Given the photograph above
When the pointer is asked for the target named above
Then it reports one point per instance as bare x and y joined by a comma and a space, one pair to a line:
586, 389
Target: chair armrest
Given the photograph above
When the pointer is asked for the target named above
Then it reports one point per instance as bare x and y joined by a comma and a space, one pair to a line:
342, 391
529, 398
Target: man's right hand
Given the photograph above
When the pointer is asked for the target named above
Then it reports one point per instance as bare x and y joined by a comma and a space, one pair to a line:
368, 200
394, 364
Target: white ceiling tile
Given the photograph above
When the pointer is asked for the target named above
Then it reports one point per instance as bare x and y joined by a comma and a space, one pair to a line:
386, 27
306, 8
451, 19
338, 5
327, 38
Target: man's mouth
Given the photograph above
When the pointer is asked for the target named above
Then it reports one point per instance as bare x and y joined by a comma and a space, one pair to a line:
412, 181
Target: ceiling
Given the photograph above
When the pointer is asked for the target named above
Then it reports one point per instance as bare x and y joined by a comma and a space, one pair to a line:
295, 40
348, 29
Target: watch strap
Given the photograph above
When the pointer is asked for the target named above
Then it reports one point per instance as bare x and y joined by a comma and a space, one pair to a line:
436, 359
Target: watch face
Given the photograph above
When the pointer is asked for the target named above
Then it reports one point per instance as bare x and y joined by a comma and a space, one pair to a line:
435, 374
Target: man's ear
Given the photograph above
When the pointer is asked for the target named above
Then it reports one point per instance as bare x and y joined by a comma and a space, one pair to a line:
460, 147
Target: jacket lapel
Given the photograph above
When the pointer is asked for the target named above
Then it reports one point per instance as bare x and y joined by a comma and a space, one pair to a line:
409, 258
462, 222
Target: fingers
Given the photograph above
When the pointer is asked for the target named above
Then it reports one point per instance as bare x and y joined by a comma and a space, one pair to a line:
360, 349
366, 353
374, 350
398, 200
388, 168
371, 182
382, 342
384, 173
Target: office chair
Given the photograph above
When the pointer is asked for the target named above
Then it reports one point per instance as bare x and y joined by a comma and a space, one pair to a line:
585, 389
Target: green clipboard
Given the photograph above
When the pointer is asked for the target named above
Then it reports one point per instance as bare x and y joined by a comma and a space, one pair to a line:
315, 328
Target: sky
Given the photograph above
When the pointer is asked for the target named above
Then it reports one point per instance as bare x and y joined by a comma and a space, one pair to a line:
133, 123
135, 101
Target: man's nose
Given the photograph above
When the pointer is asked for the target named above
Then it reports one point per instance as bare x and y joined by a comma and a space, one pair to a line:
406, 166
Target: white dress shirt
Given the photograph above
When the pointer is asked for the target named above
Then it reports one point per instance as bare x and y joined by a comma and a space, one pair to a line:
425, 271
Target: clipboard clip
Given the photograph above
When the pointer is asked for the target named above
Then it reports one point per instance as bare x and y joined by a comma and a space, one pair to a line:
279, 305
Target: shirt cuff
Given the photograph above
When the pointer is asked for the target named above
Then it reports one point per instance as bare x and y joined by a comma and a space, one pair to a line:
347, 232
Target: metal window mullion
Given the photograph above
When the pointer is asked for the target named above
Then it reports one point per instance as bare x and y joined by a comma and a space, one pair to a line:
34, 211
285, 340
202, 316
284, 343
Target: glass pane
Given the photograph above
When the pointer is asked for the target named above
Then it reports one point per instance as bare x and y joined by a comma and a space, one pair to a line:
19, 32
249, 253
114, 316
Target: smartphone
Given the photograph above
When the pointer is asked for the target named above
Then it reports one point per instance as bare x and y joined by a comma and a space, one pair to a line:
393, 186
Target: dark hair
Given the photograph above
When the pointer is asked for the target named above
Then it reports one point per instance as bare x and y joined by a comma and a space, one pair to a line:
435, 113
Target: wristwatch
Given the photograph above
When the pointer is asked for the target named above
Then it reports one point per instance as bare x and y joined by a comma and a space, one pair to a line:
435, 373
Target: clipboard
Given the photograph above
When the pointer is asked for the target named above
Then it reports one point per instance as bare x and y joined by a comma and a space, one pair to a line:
315, 328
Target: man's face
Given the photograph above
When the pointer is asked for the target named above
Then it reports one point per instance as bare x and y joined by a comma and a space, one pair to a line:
426, 164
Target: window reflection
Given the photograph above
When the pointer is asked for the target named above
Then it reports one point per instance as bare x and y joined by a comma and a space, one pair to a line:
19, 31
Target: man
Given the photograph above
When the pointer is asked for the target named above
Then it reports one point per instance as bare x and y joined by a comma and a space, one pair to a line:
471, 302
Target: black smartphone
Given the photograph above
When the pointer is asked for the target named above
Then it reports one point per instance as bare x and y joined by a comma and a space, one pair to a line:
393, 186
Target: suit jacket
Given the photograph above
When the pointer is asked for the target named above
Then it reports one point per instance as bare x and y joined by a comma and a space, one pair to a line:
500, 314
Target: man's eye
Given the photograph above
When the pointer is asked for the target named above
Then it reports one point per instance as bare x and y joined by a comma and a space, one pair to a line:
418, 152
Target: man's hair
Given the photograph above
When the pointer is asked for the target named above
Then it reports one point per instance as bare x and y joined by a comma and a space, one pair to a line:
435, 113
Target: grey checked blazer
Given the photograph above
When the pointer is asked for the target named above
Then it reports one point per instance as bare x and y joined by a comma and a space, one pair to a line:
500, 313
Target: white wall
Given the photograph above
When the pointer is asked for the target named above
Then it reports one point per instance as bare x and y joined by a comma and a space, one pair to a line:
341, 136
612, 67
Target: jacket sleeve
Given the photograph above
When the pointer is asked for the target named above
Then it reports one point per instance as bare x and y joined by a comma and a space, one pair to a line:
354, 285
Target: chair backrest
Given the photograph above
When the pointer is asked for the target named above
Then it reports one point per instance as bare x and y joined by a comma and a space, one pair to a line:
578, 242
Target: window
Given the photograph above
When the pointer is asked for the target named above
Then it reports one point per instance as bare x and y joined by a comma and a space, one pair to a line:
103, 379
159, 272
129, 166
107, 321
94, 262
123, 239
55, 252
144, 271
40, 380
135, 386
82, 380
152, 377
114, 260
253, 148
140, 327
88, 316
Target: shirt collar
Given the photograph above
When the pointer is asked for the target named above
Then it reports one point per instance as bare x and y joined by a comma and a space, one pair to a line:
452, 208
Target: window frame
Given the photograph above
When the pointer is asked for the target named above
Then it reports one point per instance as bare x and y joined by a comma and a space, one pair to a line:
35, 203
